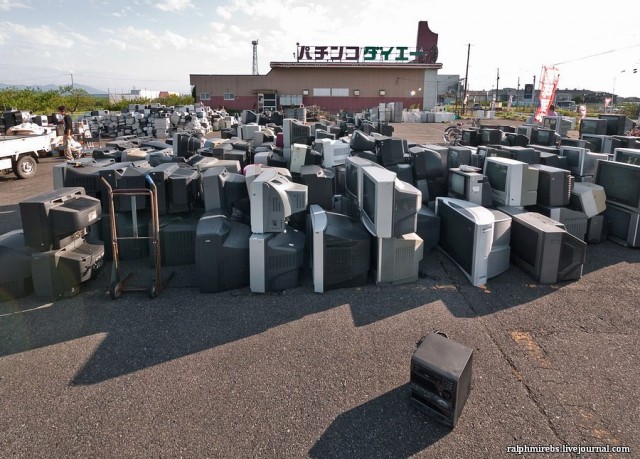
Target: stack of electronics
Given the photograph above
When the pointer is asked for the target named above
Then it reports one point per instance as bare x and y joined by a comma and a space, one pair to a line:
51, 255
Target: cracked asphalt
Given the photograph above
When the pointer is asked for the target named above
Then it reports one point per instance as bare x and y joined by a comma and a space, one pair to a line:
299, 374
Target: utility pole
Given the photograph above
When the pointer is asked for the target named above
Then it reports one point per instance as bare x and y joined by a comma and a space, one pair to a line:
517, 91
466, 81
533, 93
71, 74
497, 81
255, 56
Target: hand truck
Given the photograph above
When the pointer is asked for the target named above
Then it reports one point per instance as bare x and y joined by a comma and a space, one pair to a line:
118, 284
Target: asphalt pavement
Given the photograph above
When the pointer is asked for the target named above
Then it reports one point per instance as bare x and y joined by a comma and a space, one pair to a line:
300, 374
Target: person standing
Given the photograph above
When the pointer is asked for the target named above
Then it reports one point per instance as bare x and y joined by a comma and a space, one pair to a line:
67, 123
552, 110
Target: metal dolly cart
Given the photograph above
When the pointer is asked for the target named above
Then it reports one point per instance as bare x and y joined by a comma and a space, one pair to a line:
118, 284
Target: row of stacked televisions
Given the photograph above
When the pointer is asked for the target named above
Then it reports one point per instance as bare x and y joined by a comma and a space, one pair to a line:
258, 209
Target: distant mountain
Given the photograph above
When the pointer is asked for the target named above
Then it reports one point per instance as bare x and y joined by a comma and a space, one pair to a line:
53, 87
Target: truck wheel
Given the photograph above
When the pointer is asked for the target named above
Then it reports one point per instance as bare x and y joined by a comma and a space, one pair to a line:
25, 167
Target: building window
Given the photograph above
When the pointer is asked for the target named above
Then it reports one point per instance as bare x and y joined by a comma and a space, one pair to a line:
229, 96
205, 96
382, 92
305, 92
356, 92
320, 92
340, 92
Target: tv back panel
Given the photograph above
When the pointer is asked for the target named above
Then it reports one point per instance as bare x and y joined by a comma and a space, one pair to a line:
275, 260
398, 259
589, 198
554, 185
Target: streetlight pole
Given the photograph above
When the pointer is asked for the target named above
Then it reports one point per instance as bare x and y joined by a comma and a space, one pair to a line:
466, 81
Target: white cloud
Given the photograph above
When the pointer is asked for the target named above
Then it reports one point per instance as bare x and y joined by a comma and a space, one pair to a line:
42, 35
226, 13
174, 5
8, 5
119, 44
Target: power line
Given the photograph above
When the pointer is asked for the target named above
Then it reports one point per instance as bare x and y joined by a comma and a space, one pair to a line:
598, 54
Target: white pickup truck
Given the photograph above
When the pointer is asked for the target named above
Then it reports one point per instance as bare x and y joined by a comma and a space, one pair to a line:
20, 153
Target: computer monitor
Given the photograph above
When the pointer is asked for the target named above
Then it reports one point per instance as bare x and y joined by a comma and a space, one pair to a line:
275, 260
627, 155
222, 253
554, 185
513, 183
589, 198
340, 250
389, 206
274, 198
426, 163
597, 126
362, 142
582, 162
466, 236
471, 186
54, 219
621, 183
545, 250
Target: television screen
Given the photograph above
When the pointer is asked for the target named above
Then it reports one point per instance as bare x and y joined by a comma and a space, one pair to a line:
456, 184
623, 225
596, 126
353, 175
497, 175
621, 183
616, 124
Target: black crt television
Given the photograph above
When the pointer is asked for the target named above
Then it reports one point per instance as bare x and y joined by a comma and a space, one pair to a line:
543, 249
222, 253
320, 185
54, 219
458, 156
276, 260
470, 137
597, 126
554, 185
340, 250
490, 136
221, 189
547, 137
616, 124
621, 183
390, 150
623, 225
582, 162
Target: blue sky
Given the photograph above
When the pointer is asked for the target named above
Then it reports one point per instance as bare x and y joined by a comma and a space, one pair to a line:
155, 45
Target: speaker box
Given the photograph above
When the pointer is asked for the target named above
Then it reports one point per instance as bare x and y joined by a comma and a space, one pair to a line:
441, 378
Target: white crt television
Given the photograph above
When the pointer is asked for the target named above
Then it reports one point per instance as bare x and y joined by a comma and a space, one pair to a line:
513, 183
334, 152
273, 198
466, 236
389, 205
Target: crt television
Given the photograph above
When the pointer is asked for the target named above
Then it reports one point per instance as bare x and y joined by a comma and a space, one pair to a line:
353, 176
544, 249
582, 162
389, 206
471, 186
222, 253
466, 236
513, 183
621, 183
627, 155
623, 226
340, 250
273, 198
51, 220
554, 185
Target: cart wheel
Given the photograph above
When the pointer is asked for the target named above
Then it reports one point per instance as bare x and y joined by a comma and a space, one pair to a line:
153, 291
115, 290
